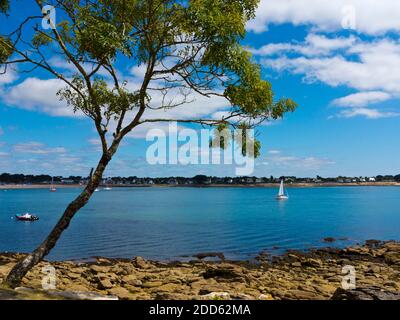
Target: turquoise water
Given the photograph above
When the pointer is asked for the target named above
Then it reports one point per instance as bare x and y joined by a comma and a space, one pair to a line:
167, 223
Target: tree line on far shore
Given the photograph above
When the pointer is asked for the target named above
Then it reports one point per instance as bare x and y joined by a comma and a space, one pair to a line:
7, 178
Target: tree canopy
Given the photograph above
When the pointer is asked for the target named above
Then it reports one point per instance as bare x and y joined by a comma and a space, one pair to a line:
184, 47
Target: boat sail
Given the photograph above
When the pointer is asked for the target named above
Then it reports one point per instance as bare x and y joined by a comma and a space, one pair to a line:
52, 187
282, 195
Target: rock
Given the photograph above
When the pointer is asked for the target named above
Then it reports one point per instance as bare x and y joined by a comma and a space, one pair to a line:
329, 239
76, 287
204, 255
169, 287
175, 279
296, 264
99, 269
124, 269
199, 284
8, 294
73, 275
311, 263
368, 293
207, 289
222, 273
325, 289
22, 293
216, 296
140, 263
105, 284
132, 280
266, 296
373, 243
357, 250
121, 293
304, 295
379, 252
241, 296
152, 284
263, 256
293, 256
392, 258
103, 261
373, 269
171, 296
78, 270
6, 268
392, 284
392, 246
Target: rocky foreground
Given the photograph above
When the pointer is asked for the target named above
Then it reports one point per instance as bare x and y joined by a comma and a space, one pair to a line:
315, 275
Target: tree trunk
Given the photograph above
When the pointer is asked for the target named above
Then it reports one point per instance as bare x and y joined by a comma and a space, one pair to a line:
15, 276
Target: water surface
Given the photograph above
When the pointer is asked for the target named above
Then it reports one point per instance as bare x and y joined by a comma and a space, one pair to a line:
166, 223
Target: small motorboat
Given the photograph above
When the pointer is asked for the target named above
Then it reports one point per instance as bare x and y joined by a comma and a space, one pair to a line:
26, 217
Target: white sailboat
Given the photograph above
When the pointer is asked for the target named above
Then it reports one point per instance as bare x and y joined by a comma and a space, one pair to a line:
282, 195
52, 187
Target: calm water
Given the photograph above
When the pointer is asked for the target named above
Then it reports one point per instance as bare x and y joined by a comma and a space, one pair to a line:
166, 223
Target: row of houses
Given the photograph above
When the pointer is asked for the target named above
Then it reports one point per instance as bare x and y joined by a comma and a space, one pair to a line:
204, 180
197, 180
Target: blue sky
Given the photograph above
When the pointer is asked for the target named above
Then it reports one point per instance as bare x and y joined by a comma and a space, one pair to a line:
346, 82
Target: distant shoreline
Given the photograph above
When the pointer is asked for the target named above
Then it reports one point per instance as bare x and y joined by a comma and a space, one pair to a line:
258, 185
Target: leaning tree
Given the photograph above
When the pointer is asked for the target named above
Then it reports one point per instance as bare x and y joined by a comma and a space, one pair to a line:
184, 48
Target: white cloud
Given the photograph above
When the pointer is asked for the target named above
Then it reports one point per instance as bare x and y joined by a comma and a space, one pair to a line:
370, 67
372, 16
8, 77
274, 151
308, 163
367, 113
94, 142
314, 45
141, 131
39, 95
63, 65
34, 147
138, 71
376, 67
286, 163
197, 106
362, 99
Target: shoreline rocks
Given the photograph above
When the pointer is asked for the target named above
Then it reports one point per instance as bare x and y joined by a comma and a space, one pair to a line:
296, 275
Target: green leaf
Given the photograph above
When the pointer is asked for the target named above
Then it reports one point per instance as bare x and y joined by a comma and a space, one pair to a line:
4, 6
6, 49
41, 39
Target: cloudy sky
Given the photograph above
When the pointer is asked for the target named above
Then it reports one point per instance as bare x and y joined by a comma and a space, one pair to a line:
340, 60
